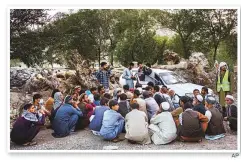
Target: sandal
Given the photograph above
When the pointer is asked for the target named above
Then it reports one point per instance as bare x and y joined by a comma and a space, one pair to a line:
116, 140
26, 144
32, 143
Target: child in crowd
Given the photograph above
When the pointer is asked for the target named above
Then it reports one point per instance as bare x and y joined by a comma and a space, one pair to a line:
113, 123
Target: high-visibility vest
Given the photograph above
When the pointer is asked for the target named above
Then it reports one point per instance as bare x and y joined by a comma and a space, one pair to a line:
225, 83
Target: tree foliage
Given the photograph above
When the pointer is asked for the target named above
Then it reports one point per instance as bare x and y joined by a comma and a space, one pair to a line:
124, 35
26, 43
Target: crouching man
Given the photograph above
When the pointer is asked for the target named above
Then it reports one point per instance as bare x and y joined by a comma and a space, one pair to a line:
231, 113
66, 118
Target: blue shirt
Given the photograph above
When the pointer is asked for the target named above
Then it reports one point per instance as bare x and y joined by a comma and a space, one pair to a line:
97, 103
110, 121
96, 122
62, 118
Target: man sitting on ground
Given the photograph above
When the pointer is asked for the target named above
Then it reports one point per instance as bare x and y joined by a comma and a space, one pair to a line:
113, 123
174, 98
66, 118
127, 92
215, 128
124, 106
136, 126
163, 126
140, 101
231, 112
198, 105
97, 117
151, 105
190, 128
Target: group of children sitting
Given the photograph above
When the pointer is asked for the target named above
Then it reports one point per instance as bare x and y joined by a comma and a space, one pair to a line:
155, 114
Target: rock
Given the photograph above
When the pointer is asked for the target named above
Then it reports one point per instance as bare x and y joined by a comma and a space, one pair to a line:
181, 65
18, 77
171, 57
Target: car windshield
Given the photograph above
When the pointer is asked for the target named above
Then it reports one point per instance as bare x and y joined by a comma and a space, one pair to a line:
172, 78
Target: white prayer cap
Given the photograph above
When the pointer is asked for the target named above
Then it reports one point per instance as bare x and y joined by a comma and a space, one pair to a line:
165, 105
199, 98
140, 89
222, 64
210, 100
230, 97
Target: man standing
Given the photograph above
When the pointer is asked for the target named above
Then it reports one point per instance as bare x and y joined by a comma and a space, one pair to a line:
103, 75
204, 93
224, 83
128, 76
140, 71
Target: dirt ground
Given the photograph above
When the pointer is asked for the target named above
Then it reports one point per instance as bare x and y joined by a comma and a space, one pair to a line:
85, 140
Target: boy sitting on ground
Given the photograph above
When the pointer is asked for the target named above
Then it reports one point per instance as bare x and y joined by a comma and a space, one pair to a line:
113, 123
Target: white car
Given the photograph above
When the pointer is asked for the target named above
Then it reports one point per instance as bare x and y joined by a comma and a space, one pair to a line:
169, 78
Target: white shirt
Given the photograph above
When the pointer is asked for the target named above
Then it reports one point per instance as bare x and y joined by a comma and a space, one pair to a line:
208, 114
91, 97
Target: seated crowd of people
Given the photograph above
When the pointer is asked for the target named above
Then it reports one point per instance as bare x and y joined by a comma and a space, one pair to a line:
155, 115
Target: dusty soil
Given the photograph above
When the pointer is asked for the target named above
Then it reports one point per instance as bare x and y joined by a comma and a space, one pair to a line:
85, 140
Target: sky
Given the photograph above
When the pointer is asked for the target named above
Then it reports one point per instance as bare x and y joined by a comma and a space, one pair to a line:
54, 11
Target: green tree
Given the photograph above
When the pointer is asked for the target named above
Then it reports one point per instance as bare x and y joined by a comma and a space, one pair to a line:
217, 26
185, 23
25, 41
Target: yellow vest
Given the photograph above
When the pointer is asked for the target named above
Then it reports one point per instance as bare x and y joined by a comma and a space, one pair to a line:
225, 83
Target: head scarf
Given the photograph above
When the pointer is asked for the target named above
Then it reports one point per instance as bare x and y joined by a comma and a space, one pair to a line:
230, 97
220, 65
57, 100
29, 116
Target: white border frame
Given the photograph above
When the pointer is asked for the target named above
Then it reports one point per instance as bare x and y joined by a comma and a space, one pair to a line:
100, 6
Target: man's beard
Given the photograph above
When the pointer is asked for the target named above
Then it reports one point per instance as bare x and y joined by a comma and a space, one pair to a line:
112, 81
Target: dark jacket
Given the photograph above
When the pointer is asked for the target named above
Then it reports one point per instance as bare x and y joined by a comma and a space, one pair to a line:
124, 108
191, 126
200, 108
159, 99
215, 125
96, 122
232, 117
232, 111
24, 130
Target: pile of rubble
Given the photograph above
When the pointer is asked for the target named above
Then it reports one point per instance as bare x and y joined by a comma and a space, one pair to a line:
196, 69
37, 80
